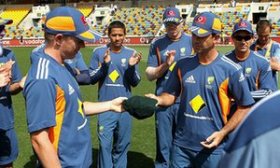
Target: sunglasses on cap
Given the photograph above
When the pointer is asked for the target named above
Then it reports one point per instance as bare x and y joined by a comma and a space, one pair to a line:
240, 38
166, 24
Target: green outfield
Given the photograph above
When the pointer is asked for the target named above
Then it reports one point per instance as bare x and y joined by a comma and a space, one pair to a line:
142, 150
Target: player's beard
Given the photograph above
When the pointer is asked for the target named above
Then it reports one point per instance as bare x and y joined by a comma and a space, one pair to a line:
263, 42
200, 50
69, 54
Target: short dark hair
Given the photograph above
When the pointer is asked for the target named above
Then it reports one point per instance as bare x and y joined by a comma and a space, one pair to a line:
262, 24
48, 37
116, 24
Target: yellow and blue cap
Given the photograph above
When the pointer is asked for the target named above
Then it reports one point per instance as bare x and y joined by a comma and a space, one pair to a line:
172, 14
243, 25
206, 23
69, 21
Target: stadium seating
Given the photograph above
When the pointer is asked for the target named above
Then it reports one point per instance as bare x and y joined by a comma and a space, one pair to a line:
273, 16
141, 20
17, 14
85, 9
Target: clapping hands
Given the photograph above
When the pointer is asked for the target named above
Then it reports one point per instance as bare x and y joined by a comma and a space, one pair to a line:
135, 59
6, 73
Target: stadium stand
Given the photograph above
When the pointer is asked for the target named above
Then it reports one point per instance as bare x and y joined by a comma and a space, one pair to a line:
142, 18
100, 18
273, 16
85, 9
15, 13
141, 21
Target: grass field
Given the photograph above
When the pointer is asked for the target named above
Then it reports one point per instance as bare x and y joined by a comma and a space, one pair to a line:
142, 149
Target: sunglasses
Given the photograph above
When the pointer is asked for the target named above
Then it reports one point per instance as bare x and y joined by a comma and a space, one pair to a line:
171, 24
240, 38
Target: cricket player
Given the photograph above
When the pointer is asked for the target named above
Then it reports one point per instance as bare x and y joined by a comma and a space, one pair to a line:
255, 143
256, 68
163, 56
56, 114
206, 84
115, 67
265, 46
10, 86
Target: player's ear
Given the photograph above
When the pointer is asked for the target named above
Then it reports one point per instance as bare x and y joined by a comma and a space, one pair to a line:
58, 39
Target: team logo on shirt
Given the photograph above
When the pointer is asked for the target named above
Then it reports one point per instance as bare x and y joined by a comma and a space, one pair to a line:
123, 61
248, 71
114, 75
183, 51
210, 80
190, 79
197, 103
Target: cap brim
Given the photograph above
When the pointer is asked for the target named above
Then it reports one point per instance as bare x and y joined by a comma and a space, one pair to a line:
199, 31
175, 20
89, 36
5, 21
243, 29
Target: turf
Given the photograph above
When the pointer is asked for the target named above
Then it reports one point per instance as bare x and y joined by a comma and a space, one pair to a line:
142, 149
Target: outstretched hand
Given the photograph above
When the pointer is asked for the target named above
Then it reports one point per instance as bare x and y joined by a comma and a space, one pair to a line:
116, 104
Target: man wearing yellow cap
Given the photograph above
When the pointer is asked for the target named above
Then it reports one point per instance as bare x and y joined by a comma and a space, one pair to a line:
56, 115
206, 83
